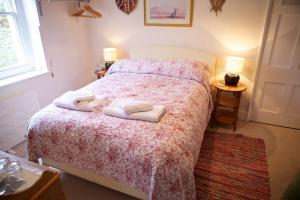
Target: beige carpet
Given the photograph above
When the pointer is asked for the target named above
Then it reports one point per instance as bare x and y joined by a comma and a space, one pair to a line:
78, 189
282, 147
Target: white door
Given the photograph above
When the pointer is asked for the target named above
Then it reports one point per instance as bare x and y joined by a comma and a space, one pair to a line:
277, 99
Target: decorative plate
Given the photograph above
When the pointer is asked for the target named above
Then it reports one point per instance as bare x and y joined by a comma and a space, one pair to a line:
126, 6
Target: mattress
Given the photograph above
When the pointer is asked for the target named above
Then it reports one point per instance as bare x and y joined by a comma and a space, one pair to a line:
156, 158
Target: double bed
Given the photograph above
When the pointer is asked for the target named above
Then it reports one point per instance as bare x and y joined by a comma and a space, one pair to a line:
145, 160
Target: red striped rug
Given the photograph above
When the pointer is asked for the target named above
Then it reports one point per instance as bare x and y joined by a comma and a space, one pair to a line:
232, 166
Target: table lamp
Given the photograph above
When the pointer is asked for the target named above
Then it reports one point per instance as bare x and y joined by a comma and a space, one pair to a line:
109, 56
234, 65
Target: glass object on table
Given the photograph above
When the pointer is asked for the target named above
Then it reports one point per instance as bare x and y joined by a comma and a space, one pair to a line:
4, 162
14, 176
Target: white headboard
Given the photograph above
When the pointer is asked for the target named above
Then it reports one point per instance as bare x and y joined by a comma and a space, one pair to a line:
171, 53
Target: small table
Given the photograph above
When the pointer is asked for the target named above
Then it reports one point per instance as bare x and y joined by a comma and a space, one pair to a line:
100, 73
41, 182
226, 108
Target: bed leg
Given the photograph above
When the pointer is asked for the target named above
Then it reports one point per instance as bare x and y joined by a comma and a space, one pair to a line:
39, 161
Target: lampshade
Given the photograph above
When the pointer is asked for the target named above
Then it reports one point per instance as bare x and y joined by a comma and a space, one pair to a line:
234, 64
110, 54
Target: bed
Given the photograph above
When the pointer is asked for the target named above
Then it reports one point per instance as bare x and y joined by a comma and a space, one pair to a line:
145, 160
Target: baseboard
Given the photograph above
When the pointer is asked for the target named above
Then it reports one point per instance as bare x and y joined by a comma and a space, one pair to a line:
243, 115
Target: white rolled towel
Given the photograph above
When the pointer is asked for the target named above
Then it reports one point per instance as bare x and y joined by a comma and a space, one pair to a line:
153, 115
79, 96
87, 106
132, 106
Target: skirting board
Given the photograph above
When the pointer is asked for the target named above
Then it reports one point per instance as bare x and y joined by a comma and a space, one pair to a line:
101, 180
243, 115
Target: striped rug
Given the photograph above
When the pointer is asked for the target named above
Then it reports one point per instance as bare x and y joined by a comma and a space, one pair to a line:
232, 166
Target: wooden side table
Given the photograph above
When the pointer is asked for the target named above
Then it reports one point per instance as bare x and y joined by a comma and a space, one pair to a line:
101, 73
226, 108
42, 183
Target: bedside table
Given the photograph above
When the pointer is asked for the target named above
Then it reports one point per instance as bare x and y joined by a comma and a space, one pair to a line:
226, 108
101, 73
41, 183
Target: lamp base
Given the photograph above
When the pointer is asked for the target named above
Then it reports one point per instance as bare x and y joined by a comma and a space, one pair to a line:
232, 79
108, 64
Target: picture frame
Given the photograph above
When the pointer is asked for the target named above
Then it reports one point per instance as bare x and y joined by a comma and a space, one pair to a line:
168, 13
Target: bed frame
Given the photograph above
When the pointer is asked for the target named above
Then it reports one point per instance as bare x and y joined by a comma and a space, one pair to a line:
158, 52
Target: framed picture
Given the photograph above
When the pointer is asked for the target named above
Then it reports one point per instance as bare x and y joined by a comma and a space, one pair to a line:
168, 12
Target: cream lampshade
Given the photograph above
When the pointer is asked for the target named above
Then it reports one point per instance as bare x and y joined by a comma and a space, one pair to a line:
234, 65
109, 56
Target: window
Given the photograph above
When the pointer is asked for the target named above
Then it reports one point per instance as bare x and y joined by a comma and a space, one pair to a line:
16, 39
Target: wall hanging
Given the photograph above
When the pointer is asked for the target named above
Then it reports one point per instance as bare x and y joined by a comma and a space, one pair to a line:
168, 12
86, 9
216, 5
126, 6
40, 10
82, 11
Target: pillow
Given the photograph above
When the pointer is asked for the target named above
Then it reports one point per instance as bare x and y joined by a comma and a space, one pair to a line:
184, 69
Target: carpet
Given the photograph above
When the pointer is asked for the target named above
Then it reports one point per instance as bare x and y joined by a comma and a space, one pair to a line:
232, 166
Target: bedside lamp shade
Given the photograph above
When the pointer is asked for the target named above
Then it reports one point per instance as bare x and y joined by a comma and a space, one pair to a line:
234, 65
109, 56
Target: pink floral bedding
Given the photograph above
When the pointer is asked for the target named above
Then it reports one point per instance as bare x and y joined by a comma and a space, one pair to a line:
157, 158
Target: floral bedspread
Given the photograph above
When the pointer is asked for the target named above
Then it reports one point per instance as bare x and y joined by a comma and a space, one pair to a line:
157, 158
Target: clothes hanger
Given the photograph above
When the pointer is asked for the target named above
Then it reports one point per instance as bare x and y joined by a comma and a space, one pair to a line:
86, 8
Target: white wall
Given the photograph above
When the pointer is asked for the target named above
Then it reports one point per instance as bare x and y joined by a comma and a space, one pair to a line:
66, 46
236, 31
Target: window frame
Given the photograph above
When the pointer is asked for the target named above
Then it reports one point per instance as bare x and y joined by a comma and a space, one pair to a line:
22, 28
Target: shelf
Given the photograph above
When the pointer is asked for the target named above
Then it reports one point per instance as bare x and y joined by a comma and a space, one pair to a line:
226, 117
227, 102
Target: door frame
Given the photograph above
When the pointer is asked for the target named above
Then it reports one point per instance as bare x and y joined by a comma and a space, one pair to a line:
260, 57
